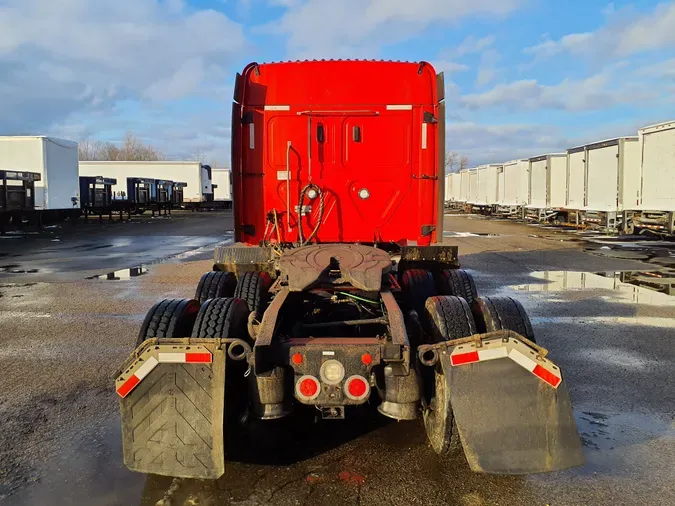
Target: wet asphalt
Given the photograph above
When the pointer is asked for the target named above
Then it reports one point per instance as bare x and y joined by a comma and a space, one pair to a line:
605, 316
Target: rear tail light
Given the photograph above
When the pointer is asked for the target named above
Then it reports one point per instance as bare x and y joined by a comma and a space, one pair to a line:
307, 388
357, 388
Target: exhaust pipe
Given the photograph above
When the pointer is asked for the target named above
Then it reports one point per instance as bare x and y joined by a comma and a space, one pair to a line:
401, 399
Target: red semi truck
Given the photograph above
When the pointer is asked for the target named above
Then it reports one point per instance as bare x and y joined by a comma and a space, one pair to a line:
338, 291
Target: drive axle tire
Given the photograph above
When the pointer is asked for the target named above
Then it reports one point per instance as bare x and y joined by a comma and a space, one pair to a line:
253, 288
457, 282
449, 318
222, 318
502, 313
169, 318
417, 285
228, 318
215, 285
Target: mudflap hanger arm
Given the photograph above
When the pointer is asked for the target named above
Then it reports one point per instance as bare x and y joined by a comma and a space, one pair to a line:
510, 403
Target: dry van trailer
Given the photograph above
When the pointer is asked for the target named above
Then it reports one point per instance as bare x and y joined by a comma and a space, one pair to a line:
197, 194
448, 189
222, 188
547, 187
602, 180
488, 187
464, 188
654, 207
57, 192
472, 192
513, 187
454, 183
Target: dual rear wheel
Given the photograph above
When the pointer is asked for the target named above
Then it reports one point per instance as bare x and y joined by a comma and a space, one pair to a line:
449, 308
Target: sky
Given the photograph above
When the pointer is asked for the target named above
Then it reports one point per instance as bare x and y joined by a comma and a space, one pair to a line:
523, 77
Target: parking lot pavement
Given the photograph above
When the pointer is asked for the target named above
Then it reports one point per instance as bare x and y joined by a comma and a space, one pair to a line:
611, 333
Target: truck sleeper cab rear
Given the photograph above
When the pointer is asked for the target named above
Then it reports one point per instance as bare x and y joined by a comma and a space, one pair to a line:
369, 149
337, 292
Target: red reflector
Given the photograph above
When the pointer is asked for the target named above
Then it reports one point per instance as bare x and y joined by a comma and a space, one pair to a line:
297, 358
357, 387
128, 386
367, 358
309, 387
547, 376
198, 358
464, 358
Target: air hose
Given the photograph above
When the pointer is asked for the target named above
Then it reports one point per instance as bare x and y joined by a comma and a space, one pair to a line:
319, 219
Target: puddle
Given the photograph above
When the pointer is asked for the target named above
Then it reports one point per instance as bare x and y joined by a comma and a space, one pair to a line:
643, 286
122, 274
469, 234
609, 431
16, 269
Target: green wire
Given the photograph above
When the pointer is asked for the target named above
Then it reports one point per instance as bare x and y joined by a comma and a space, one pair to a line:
356, 297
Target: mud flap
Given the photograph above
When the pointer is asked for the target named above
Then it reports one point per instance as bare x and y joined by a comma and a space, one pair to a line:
510, 420
172, 396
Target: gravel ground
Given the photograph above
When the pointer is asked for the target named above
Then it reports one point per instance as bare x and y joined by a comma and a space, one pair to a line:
62, 336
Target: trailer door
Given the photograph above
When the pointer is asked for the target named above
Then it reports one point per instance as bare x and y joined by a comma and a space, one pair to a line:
658, 170
575, 179
603, 179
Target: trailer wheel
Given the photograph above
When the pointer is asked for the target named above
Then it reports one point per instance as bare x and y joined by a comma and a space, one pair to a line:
417, 285
169, 318
457, 282
214, 285
254, 287
449, 318
502, 313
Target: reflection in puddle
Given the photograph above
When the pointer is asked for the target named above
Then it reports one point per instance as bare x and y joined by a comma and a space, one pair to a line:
644, 286
469, 234
16, 269
122, 274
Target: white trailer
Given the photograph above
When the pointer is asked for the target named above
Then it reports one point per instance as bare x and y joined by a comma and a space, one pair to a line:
456, 186
199, 188
488, 185
465, 185
612, 174
472, 196
57, 193
576, 178
448, 188
513, 181
655, 204
548, 186
222, 187
612, 181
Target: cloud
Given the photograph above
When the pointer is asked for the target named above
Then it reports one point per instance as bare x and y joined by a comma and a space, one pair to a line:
449, 67
80, 57
326, 27
599, 91
624, 34
501, 143
471, 45
487, 68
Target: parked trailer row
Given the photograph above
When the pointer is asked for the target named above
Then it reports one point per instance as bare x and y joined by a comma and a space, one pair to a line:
63, 187
617, 184
197, 193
